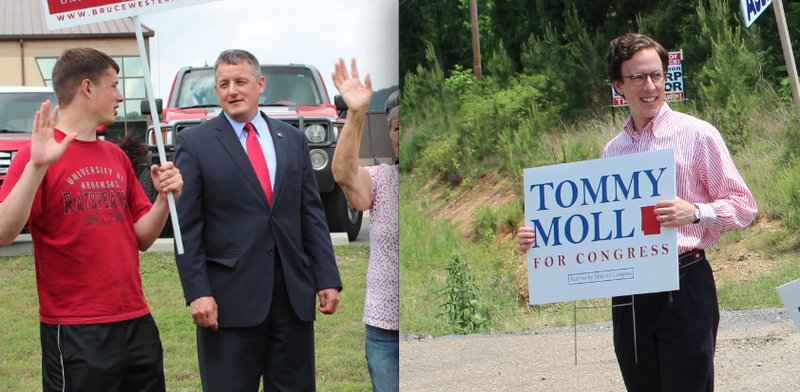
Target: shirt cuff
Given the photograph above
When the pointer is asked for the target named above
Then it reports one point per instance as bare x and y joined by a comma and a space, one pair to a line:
707, 215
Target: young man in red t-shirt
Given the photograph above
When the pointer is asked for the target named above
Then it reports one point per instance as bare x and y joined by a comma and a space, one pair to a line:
88, 217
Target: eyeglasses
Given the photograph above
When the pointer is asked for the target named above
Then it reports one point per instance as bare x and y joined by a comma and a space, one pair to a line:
640, 79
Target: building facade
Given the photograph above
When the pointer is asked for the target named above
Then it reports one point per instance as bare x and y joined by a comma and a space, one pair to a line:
28, 51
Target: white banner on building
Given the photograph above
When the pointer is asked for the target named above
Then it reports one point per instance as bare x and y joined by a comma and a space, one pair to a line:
596, 233
61, 14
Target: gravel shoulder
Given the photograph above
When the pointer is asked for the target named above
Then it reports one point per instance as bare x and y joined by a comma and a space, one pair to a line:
757, 350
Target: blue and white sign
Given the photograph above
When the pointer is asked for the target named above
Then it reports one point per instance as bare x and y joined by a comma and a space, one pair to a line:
790, 295
752, 9
596, 233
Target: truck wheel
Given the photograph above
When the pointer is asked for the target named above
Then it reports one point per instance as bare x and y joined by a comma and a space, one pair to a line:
341, 216
150, 190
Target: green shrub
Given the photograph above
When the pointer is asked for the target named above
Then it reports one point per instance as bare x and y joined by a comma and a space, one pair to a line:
510, 216
461, 304
485, 224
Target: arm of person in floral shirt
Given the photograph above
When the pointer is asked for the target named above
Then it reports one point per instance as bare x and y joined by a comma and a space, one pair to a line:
354, 180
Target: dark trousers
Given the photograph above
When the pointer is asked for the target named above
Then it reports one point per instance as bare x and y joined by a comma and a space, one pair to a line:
280, 350
108, 357
676, 335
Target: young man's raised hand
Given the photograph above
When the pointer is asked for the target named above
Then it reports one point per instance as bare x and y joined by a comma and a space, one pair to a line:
44, 148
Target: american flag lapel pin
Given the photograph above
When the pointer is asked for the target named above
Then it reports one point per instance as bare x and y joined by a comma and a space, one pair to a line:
280, 134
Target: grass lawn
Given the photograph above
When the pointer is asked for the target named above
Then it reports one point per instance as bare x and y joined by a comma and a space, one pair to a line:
340, 361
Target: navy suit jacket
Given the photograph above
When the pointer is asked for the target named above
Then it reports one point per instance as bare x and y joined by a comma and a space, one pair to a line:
230, 232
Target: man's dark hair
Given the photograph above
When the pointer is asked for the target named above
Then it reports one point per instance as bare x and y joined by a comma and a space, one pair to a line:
624, 47
234, 57
76, 65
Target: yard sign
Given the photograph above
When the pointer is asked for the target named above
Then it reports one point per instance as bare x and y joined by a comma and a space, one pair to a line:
596, 233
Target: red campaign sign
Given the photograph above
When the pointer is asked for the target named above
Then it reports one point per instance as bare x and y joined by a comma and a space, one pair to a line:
61, 14
59, 6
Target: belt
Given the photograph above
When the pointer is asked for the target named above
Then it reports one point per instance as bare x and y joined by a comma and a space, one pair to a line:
691, 257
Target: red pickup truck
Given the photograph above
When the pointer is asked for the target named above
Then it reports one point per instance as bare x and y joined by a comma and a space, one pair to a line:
18, 105
295, 94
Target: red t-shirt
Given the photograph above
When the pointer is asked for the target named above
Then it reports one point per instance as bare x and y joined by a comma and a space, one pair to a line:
81, 223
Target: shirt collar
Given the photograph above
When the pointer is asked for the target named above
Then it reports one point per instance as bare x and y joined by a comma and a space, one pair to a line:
238, 127
654, 126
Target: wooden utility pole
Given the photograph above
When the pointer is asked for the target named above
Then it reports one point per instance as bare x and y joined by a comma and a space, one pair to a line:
788, 55
476, 44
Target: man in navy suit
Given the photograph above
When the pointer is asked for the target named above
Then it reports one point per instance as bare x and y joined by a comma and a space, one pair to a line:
257, 243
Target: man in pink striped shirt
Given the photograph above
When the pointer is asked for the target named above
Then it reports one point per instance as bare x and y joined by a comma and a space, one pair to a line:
673, 346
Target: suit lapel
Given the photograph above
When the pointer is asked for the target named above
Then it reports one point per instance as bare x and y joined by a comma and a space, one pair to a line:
230, 142
281, 157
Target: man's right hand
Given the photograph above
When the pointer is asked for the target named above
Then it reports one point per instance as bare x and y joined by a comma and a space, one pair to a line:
526, 236
204, 312
44, 149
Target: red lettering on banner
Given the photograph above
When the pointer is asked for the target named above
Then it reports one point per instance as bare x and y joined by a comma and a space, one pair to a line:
604, 255
61, 6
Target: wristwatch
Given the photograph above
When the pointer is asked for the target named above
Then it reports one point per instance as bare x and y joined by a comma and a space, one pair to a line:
696, 214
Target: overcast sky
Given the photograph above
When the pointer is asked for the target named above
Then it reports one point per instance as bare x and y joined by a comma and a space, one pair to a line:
315, 32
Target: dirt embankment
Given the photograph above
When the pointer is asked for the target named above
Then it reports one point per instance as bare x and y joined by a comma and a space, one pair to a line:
738, 259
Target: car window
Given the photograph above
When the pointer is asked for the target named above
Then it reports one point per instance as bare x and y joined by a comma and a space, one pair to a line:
290, 86
18, 109
197, 89
284, 86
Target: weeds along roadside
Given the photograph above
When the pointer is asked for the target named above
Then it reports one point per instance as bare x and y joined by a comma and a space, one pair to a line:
450, 284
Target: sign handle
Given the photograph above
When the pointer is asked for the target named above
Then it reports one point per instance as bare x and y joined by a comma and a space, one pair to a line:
157, 126
788, 56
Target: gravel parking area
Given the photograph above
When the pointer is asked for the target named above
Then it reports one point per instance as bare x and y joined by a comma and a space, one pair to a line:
757, 350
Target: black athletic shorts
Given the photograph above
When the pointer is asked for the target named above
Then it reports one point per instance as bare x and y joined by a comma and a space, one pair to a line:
108, 357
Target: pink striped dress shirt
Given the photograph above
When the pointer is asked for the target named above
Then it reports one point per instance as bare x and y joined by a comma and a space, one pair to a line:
705, 176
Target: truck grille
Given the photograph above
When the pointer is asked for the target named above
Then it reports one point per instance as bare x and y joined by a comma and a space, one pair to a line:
5, 160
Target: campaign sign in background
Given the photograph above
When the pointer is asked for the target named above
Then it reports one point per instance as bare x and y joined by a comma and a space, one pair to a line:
596, 233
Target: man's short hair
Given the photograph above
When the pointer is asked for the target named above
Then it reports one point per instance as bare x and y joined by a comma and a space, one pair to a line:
234, 57
76, 65
624, 47
392, 108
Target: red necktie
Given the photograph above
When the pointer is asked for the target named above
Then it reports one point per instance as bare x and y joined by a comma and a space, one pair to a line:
256, 156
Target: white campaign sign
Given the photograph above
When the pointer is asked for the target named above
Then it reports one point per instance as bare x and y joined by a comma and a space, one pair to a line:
61, 14
596, 233
752, 9
790, 295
